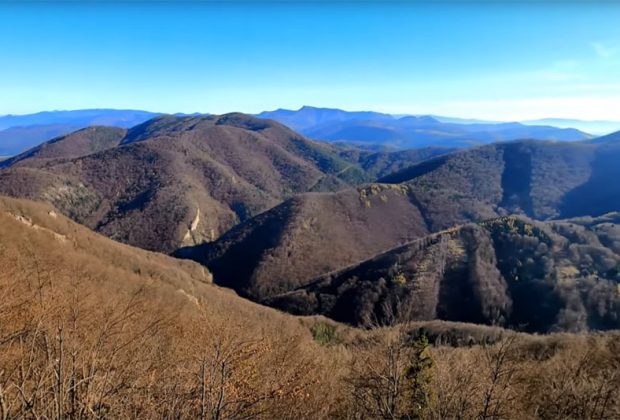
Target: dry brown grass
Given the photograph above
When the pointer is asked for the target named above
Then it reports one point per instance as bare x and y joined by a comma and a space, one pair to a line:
561, 376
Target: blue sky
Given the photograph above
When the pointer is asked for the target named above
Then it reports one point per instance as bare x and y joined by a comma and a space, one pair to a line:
490, 60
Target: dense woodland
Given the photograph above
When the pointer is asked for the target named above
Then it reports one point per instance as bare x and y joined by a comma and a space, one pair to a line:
512, 271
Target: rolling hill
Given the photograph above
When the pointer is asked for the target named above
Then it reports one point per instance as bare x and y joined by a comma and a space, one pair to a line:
539, 179
74, 145
377, 164
286, 247
91, 327
231, 188
611, 138
176, 181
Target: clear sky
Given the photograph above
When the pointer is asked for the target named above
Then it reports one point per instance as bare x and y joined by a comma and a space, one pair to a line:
488, 60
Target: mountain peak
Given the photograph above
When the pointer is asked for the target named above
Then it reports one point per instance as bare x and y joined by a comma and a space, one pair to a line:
423, 119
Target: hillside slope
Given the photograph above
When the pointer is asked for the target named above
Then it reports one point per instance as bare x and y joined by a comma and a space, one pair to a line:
34, 233
93, 328
308, 235
608, 139
96, 328
77, 144
510, 271
378, 164
542, 180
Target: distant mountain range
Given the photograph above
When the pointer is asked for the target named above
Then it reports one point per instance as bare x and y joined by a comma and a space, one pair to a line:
308, 117
14, 140
21, 132
369, 129
598, 127
86, 117
411, 131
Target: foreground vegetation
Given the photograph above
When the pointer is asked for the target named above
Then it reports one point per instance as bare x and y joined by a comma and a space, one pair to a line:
65, 355
90, 328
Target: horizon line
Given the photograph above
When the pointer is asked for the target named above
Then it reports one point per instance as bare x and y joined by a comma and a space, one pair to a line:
393, 114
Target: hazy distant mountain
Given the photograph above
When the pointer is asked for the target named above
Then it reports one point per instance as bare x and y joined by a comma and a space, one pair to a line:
411, 131
21, 132
308, 117
456, 120
593, 127
84, 117
609, 139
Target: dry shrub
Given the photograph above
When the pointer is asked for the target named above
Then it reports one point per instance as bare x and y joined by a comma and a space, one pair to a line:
576, 377
478, 382
69, 353
391, 378
580, 381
